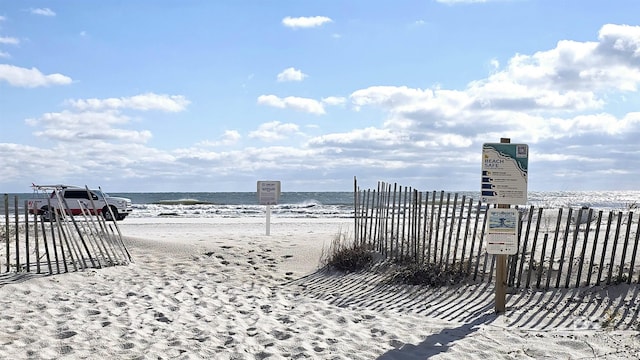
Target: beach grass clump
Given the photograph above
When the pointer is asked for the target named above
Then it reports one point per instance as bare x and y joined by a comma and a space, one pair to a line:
433, 275
347, 255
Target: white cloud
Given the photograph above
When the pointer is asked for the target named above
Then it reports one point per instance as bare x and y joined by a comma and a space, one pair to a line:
371, 136
274, 130
551, 97
562, 101
4, 54
30, 78
291, 74
81, 127
43, 12
334, 100
143, 102
292, 102
9, 40
229, 137
305, 22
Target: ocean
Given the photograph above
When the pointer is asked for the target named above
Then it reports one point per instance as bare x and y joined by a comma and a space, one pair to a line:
326, 204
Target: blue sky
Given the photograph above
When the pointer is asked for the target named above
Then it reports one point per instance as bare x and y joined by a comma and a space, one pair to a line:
215, 95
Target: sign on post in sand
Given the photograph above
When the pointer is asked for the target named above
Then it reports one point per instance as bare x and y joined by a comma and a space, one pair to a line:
504, 182
268, 194
504, 173
502, 231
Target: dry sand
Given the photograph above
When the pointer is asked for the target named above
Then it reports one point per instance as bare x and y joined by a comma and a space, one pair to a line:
222, 289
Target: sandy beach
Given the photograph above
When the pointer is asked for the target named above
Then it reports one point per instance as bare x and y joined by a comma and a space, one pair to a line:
202, 288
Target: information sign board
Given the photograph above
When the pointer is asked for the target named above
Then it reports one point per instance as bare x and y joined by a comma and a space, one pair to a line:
268, 192
504, 173
502, 231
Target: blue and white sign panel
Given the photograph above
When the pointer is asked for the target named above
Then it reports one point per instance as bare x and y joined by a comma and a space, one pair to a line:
504, 173
502, 231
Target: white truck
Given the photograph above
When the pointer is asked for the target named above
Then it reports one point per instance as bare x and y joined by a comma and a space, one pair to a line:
75, 200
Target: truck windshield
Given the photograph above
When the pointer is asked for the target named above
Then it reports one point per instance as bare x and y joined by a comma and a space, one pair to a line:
100, 193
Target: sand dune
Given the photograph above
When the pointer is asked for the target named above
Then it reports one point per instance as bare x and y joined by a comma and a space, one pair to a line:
222, 289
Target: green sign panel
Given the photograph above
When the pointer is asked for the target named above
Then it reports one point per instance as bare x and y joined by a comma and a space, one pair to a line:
504, 173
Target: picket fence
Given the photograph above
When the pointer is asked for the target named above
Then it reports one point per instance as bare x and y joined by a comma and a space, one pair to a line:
557, 247
37, 247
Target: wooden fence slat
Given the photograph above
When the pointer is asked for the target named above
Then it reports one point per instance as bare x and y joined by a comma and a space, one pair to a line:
431, 230
403, 235
36, 240
57, 216
604, 247
553, 247
444, 229
583, 251
466, 234
387, 206
371, 195
437, 231
523, 246
46, 246
482, 232
417, 204
624, 248
614, 247
565, 240
452, 225
6, 233
17, 235
378, 223
460, 217
533, 248
542, 255
393, 250
64, 258
574, 243
594, 248
425, 248
635, 252
473, 240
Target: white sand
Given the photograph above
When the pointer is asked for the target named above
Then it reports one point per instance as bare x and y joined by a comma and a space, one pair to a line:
222, 289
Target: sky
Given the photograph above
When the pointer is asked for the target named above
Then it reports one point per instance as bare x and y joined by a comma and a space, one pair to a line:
195, 95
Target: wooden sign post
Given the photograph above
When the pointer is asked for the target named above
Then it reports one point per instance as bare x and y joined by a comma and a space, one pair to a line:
504, 183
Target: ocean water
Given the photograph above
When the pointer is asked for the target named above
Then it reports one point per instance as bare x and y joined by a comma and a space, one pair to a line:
327, 204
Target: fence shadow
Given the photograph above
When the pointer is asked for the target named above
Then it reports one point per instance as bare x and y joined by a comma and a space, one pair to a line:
472, 303
16, 278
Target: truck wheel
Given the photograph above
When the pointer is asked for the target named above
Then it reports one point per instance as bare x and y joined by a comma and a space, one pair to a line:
107, 215
47, 215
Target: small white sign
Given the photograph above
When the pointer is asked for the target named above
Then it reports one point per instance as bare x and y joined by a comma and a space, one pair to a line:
502, 231
268, 192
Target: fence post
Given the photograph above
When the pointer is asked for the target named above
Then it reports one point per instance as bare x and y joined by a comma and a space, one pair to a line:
355, 210
16, 217
6, 233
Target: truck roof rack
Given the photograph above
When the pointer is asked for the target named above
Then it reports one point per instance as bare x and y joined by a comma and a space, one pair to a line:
54, 187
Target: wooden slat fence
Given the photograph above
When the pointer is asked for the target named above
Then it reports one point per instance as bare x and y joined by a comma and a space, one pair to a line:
66, 244
557, 247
